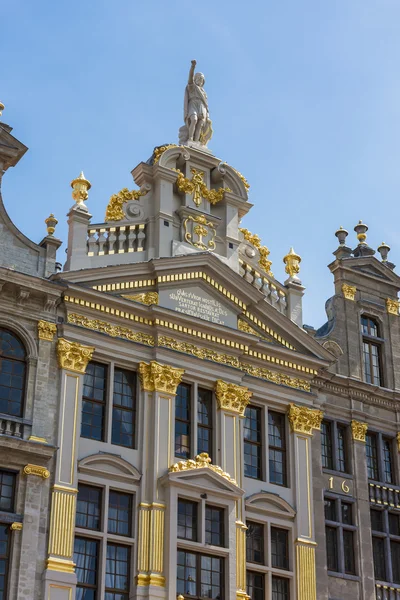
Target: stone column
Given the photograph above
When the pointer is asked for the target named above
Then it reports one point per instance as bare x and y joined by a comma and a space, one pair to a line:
232, 400
59, 576
159, 383
303, 421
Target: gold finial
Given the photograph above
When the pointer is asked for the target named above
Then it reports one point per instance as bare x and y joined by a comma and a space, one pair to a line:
292, 262
51, 223
80, 187
361, 231
2, 107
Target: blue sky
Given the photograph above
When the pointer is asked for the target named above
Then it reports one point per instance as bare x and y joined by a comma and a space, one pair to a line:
304, 98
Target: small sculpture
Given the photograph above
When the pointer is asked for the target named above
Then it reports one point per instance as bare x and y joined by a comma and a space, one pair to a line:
198, 126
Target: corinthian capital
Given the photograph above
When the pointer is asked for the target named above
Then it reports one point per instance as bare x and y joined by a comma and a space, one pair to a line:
73, 356
232, 397
303, 419
156, 377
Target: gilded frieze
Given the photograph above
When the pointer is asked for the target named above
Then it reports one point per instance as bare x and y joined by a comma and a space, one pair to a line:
148, 298
156, 377
276, 377
111, 330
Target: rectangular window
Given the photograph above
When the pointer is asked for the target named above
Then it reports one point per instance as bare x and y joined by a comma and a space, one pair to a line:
394, 527
7, 491
94, 401
339, 536
377, 520
385, 525
117, 572
378, 548
387, 460
187, 520
279, 548
280, 588
331, 548
214, 526
255, 542
252, 442
326, 445
372, 363
341, 459
182, 421
86, 554
255, 585
395, 557
120, 513
348, 552
124, 408
88, 509
334, 446
204, 421
200, 575
277, 447
372, 456
4, 558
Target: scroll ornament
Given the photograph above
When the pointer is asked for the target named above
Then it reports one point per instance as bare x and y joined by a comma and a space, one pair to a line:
202, 461
114, 211
263, 251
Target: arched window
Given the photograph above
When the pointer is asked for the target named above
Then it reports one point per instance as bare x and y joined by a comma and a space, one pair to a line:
372, 356
12, 374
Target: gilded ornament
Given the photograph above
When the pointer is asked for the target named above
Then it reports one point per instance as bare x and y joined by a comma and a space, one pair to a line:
111, 330
80, 188
51, 223
2, 107
247, 328
202, 353
37, 471
201, 228
144, 298
35, 438
243, 178
292, 263
159, 150
46, 330
156, 377
202, 461
114, 211
349, 291
232, 397
392, 306
198, 188
303, 419
359, 430
398, 441
263, 251
73, 356
276, 377
16, 526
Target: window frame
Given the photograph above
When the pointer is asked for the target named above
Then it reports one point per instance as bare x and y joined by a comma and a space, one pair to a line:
258, 444
387, 538
222, 534
7, 556
104, 403
199, 425
119, 591
100, 505
380, 439
188, 421
25, 375
283, 449
376, 341
133, 411
335, 426
196, 521
340, 527
86, 586
199, 555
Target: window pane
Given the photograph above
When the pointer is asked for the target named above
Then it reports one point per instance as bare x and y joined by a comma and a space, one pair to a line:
341, 449
394, 527
211, 577
124, 408
369, 327
347, 513
252, 442
379, 558
376, 375
331, 548
86, 557
88, 507
186, 583
120, 513
330, 509
279, 548
4, 558
12, 374
214, 526
117, 571
255, 585
255, 542
372, 456
395, 552
182, 421
7, 489
187, 520
348, 549
376, 519
387, 460
93, 401
280, 588
326, 445
205, 421
277, 447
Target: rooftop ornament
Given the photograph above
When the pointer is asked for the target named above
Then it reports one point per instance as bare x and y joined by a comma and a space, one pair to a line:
2, 107
80, 188
292, 262
341, 235
384, 250
361, 230
51, 223
255, 241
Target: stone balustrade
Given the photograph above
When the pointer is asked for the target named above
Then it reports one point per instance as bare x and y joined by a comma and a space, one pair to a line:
387, 591
273, 293
12, 426
107, 240
384, 495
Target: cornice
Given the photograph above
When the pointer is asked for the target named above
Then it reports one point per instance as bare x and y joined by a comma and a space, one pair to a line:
356, 390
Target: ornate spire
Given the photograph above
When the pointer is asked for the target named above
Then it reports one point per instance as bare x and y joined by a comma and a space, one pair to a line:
361, 231
341, 235
51, 223
384, 250
80, 187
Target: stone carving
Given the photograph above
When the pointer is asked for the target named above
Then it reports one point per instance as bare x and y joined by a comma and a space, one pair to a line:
145, 297
198, 188
202, 461
349, 291
198, 125
73, 356
37, 471
114, 211
359, 430
263, 251
232, 397
46, 330
392, 306
303, 419
333, 347
197, 229
111, 330
156, 377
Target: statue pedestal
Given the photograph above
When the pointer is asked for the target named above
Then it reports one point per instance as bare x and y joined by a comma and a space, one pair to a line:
198, 146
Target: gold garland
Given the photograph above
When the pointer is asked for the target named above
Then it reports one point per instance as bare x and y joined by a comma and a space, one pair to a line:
198, 188
114, 210
159, 150
263, 251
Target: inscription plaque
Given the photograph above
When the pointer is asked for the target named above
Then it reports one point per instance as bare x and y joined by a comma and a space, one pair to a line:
196, 302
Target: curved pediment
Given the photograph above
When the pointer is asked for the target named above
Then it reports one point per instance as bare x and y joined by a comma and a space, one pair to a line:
272, 504
109, 466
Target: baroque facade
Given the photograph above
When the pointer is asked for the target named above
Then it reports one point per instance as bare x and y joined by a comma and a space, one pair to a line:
169, 428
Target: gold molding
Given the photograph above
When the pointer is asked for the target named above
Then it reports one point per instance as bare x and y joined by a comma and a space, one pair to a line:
16, 526
276, 377
349, 291
147, 298
263, 251
156, 377
303, 419
202, 229
36, 470
114, 211
231, 397
61, 565
392, 306
241, 561
150, 556
398, 440
306, 576
202, 461
242, 177
359, 430
62, 523
111, 330
46, 330
35, 438
159, 150
73, 356
198, 188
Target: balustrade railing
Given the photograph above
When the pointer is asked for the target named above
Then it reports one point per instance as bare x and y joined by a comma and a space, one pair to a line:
384, 495
105, 240
273, 294
12, 426
386, 592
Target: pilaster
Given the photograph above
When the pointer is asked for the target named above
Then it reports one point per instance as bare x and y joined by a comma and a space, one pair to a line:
59, 576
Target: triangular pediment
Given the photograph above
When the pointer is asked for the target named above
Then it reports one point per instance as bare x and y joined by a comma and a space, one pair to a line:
204, 480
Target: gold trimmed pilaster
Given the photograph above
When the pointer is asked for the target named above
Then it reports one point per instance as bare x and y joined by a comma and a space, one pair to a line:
156, 377
359, 430
73, 356
62, 523
303, 419
241, 593
231, 397
305, 571
151, 545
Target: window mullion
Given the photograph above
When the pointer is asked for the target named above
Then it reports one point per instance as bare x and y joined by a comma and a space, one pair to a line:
340, 547
335, 459
388, 559
101, 577
381, 462
109, 402
194, 423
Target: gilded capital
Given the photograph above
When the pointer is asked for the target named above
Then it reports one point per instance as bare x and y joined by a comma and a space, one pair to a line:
232, 397
303, 419
37, 470
392, 306
349, 291
46, 330
73, 356
156, 377
359, 430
